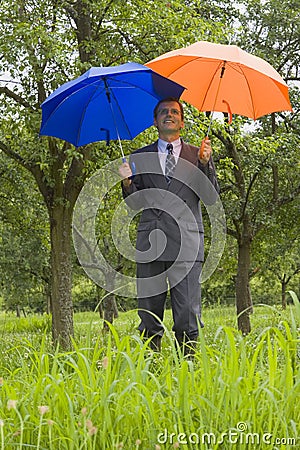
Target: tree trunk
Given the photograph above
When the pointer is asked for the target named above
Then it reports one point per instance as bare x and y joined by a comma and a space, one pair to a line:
110, 305
99, 301
81, 14
48, 303
61, 276
242, 288
20, 309
110, 309
283, 292
250, 304
47, 295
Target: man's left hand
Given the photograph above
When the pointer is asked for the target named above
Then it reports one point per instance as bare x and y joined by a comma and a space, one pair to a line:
206, 152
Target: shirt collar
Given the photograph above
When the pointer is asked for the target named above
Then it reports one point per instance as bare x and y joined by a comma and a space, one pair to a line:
162, 146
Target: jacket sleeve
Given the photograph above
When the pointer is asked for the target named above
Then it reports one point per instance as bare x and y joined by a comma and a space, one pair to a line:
135, 201
210, 190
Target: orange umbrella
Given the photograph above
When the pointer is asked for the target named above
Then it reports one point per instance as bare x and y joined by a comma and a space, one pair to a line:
225, 78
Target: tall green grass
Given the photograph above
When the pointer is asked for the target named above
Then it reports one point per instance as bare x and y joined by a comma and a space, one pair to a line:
112, 392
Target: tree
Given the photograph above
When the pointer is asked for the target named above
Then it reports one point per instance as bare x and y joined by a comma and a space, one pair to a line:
278, 248
96, 249
256, 169
46, 44
24, 250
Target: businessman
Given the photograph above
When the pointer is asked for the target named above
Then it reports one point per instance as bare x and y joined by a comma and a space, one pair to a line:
171, 179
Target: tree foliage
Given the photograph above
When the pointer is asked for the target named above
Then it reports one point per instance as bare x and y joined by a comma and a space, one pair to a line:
44, 44
24, 249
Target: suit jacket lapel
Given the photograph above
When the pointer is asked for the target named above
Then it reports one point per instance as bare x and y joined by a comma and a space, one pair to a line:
157, 175
182, 174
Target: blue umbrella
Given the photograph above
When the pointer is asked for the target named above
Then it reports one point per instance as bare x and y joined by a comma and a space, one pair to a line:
106, 103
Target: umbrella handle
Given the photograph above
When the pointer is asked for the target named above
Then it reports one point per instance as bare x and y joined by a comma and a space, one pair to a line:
202, 147
133, 168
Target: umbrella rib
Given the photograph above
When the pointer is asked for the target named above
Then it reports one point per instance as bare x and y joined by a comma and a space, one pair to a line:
127, 84
182, 65
211, 79
110, 92
82, 115
85, 108
97, 88
249, 89
210, 83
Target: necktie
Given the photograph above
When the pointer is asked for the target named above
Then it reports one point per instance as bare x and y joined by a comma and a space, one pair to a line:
170, 163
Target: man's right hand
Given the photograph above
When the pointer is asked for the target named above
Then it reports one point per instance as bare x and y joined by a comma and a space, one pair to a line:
125, 172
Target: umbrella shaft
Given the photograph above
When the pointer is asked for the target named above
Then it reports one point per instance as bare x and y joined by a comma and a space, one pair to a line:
216, 97
113, 115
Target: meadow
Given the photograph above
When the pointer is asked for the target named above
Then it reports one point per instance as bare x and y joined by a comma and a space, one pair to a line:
112, 392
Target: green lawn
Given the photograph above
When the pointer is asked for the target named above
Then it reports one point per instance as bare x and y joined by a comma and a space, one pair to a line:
112, 392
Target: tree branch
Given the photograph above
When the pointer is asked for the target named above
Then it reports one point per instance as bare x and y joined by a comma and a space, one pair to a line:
275, 182
14, 155
94, 261
16, 97
33, 168
285, 200
232, 233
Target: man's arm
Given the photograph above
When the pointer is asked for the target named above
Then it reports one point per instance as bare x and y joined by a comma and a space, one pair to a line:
206, 164
210, 171
131, 185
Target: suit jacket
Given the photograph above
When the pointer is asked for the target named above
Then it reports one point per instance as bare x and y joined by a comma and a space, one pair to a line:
170, 226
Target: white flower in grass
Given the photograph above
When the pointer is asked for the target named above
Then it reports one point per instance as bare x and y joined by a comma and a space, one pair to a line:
105, 362
1, 423
12, 404
84, 411
43, 409
92, 431
138, 442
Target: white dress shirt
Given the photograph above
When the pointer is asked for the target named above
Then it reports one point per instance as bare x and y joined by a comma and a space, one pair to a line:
162, 151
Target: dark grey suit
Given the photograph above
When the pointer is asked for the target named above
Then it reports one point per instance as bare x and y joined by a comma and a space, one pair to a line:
170, 236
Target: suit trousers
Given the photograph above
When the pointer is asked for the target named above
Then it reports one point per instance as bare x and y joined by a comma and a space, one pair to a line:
183, 281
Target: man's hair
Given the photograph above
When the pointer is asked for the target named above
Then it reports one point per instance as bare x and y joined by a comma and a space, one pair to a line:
169, 99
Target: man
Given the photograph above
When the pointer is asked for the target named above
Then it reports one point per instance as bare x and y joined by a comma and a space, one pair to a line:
169, 182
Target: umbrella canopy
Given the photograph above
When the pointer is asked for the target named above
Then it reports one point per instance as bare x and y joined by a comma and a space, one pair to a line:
105, 103
225, 78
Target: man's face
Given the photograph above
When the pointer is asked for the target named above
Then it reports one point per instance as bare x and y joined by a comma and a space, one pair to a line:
168, 118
